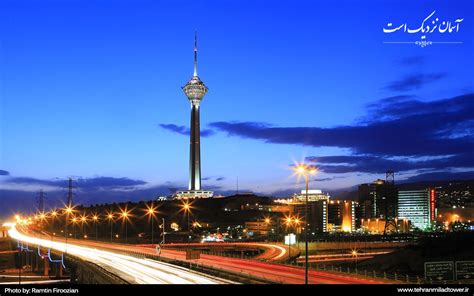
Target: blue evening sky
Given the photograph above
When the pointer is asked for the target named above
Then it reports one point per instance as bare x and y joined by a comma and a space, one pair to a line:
85, 85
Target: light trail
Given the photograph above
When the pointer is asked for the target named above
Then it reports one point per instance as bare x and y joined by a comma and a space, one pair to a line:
35, 282
131, 269
281, 254
271, 252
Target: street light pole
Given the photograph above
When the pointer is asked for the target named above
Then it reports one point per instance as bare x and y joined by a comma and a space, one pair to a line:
66, 228
288, 229
306, 170
96, 219
163, 230
189, 228
306, 232
111, 229
126, 231
20, 259
289, 243
152, 236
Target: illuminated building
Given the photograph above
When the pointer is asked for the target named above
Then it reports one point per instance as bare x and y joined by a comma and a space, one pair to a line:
266, 208
195, 90
317, 217
418, 206
378, 200
378, 226
341, 216
313, 195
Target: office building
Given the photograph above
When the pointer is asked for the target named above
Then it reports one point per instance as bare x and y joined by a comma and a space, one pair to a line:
418, 206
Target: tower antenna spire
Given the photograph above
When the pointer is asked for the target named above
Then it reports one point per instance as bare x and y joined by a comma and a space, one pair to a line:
195, 54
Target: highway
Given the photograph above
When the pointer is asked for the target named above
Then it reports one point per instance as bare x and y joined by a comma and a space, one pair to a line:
277, 273
152, 271
129, 268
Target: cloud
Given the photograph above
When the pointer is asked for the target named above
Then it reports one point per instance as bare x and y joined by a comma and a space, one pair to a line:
400, 133
414, 81
93, 183
378, 165
441, 176
323, 179
213, 178
107, 182
23, 182
4, 173
182, 130
414, 128
18, 193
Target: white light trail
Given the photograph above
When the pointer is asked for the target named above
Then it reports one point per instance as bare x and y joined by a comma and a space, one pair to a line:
134, 270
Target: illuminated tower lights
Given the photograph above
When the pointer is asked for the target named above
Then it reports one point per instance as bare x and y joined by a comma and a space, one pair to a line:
195, 90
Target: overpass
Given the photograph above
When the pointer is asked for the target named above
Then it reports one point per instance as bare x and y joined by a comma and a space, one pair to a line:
92, 265
271, 252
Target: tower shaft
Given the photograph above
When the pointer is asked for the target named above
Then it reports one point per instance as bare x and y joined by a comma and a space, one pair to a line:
41, 199
69, 193
195, 90
195, 149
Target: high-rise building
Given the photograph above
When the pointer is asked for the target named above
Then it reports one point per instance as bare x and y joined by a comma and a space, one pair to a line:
317, 215
378, 200
418, 206
317, 207
341, 216
195, 90
324, 215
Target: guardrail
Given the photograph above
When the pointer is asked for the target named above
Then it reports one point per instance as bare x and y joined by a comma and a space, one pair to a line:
83, 271
392, 277
397, 277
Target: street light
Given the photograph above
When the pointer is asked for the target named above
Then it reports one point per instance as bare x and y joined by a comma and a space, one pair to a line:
355, 254
305, 171
83, 220
110, 217
54, 215
42, 217
187, 209
125, 216
74, 221
95, 219
150, 212
68, 210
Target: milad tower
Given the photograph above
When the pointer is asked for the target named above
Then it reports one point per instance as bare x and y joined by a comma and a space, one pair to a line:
195, 90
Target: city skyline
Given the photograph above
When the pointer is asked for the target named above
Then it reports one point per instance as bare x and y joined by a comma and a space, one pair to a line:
102, 103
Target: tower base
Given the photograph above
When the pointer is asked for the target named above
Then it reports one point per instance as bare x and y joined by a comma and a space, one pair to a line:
193, 194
